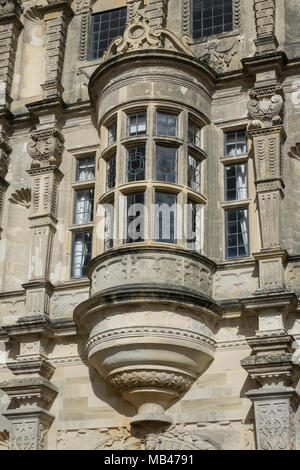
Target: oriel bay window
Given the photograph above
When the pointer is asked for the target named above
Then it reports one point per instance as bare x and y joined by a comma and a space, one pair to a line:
167, 124
194, 133
237, 233
166, 163
109, 226
236, 182
211, 17
135, 217
165, 217
136, 163
111, 172
193, 225
112, 133
136, 124
81, 253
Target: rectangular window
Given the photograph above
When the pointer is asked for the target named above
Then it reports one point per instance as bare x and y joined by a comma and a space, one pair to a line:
237, 233
236, 143
166, 164
135, 215
136, 124
109, 227
105, 27
165, 217
85, 169
81, 253
211, 17
193, 225
194, 173
111, 172
112, 133
194, 134
84, 206
167, 124
136, 163
236, 182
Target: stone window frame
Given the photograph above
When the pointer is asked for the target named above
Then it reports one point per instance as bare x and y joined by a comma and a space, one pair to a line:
247, 203
149, 185
187, 12
77, 186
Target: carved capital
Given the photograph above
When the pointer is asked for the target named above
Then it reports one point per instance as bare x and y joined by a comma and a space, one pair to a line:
45, 148
266, 109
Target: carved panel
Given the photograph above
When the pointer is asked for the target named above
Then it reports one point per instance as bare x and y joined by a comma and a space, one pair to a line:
45, 148
219, 53
273, 425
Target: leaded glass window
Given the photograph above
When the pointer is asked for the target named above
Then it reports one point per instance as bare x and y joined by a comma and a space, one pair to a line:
112, 133
193, 225
81, 253
136, 124
167, 124
236, 182
165, 217
135, 215
105, 27
84, 206
237, 233
194, 134
136, 163
194, 173
211, 17
85, 169
236, 143
111, 172
166, 163
109, 227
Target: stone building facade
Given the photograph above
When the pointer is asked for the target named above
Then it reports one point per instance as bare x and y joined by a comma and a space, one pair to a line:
112, 340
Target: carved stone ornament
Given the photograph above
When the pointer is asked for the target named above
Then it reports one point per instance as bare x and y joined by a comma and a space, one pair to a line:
267, 109
138, 35
22, 197
45, 148
219, 53
5, 151
295, 152
9, 6
4, 440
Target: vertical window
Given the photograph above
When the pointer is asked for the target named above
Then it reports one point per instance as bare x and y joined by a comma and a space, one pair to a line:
136, 124
211, 17
194, 134
235, 142
81, 253
237, 233
193, 225
105, 27
194, 173
85, 169
109, 227
84, 206
112, 133
111, 172
167, 124
135, 212
166, 164
165, 217
236, 182
136, 163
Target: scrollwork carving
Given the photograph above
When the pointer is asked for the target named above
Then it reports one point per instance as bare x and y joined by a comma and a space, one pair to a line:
21, 197
219, 53
267, 110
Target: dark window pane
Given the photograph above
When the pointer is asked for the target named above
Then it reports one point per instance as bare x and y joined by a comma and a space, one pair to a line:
166, 164
111, 173
211, 17
166, 124
85, 169
135, 218
136, 163
237, 233
105, 27
194, 174
165, 217
81, 253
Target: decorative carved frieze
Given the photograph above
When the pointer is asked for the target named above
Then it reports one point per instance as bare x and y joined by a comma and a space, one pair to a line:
21, 197
266, 41
219, 53
138, 36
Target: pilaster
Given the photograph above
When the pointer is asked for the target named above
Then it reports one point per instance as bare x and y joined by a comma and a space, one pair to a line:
56, 16
5, 151
10, 27
266, 41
